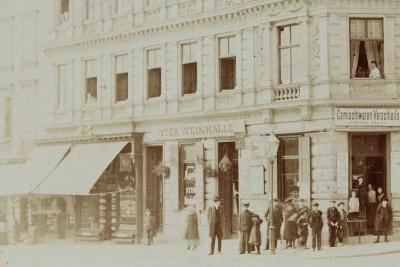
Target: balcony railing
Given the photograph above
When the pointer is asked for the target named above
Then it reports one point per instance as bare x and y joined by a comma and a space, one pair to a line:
287, 93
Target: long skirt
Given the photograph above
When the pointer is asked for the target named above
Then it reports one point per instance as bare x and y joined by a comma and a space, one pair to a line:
290, 230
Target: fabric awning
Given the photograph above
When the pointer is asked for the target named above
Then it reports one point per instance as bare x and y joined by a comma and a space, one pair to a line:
26, 177
80, 169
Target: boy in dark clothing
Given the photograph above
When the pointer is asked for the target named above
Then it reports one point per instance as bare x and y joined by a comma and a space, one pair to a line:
342, 222
149, 225
382, 220
315, 220
332, 216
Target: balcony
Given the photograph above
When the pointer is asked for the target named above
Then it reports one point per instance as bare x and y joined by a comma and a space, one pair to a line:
286, 93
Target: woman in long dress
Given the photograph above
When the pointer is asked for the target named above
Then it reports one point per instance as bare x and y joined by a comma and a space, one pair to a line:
192, 229
290, 232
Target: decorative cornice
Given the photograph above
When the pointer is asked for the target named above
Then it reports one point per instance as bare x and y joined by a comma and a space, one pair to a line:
260, 8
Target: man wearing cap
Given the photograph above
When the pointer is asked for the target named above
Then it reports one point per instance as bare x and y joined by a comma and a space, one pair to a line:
332, 216
277, 222
302, 223
315, 220
245, 225
214, 218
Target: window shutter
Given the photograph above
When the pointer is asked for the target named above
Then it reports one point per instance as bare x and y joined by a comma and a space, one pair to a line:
304, 168
199, 176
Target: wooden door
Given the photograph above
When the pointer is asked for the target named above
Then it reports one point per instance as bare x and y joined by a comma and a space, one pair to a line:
228, 186
154, 185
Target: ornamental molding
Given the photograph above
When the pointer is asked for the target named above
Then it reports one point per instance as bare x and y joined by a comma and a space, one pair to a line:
216, 17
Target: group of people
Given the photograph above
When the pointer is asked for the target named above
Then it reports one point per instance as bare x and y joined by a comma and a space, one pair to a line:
295, 217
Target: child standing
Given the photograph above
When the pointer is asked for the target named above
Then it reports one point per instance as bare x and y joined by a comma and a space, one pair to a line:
354, 205
342, 222
149, 225
316, 226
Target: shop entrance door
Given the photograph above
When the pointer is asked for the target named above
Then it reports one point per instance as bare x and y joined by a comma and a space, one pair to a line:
228, 187
154, 185
368, 156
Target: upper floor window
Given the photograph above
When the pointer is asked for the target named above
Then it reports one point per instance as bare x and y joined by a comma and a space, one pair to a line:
122, 6
366, 48
91, 82
64, 10
121, 78
154, 73
152, 2
62, 85
93, 9
227, 63
189, 68
5, 119
289, 54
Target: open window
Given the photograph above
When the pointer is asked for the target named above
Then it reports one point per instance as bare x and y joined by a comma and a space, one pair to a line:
227, 63
91, 82
366, 46
189, 69
121, 78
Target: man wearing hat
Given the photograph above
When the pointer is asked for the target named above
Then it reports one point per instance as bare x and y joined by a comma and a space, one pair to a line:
245, 225
332, 216
302, 223
316, 225
277, 220
214, 218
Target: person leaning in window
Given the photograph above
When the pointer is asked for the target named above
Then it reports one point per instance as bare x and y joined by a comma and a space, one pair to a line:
374, 73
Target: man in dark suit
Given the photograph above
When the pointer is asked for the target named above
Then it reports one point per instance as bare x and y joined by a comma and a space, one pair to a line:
315, 220
362, 195
214, 218
245, 225
277, 222
332, 216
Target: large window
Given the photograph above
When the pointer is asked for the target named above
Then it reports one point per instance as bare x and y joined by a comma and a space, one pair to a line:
289, 54
366, 46
154, 73
64, 9
91, 82
189, 69
121, 78
62, 85
288, 165
227, 63
188, 174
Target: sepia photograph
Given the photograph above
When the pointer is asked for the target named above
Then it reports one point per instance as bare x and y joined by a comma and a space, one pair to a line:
199, 133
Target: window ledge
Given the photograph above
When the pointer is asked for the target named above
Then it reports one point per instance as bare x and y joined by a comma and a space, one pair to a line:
228, 91
158, 99
91, 106
190, 96
124, 103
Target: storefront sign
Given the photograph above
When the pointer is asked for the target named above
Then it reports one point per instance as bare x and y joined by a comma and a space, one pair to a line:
203, 129
367, 116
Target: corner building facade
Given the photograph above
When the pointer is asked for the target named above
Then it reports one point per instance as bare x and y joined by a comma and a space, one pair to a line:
194, 86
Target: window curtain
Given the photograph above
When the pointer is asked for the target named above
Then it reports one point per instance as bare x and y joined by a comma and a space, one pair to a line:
373, 49
355, 54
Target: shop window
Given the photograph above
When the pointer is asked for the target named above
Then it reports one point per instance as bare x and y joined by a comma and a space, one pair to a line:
289, 54
366, 46
288, 167
227, 63
121, 78
154, 73
5, 119
62, 85
189, 69
91, 82
188, 175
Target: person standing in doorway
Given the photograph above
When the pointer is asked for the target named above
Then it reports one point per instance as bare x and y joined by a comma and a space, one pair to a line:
192, 228
381, 195
149, 226
277, 222
354, 206
214, 218
302, 223
332, 216
245, 225
383, 219
371, 208
315, 220
362, 196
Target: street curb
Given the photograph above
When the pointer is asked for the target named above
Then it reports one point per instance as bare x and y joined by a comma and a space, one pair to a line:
361, 255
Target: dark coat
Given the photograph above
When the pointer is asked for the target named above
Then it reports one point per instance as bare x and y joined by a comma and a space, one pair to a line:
380, 196
214, 218
383, 218
315, 220
192, 229
277, 220
302, 222
332, 215
363, 194
245, 222
255, 234
149, 223
290, 231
